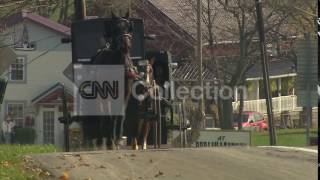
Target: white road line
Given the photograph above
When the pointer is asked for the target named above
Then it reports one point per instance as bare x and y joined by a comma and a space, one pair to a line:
292, 148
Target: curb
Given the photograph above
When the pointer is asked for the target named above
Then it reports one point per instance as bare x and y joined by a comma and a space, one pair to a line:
292, 148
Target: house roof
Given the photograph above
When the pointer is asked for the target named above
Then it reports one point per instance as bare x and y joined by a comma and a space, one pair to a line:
172, 9
277, 68
43, 21
52, 95
162, 6
184, 14
170, 35
48, 23
189, 72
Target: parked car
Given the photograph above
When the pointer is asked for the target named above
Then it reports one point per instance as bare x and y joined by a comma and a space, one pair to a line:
251, 119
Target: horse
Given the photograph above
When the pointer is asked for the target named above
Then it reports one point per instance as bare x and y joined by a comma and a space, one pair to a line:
148, 106
118, 53
140, 103
112, 128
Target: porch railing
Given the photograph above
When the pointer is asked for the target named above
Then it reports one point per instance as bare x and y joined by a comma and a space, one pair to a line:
279, 104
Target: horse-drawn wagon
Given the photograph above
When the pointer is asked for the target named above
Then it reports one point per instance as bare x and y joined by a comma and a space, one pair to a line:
117, 83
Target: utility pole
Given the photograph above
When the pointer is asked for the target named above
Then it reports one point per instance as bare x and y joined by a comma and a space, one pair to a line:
309, 106
309, 79
265, 69
66, 119
80, 10
80, 14
199, 53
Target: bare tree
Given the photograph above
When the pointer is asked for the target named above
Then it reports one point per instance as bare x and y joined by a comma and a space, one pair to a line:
235, 21
303, 15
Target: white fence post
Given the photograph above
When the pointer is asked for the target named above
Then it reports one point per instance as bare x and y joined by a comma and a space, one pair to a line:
293, 107
280, 108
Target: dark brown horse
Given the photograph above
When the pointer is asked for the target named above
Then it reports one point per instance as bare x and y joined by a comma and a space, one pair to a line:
120, 36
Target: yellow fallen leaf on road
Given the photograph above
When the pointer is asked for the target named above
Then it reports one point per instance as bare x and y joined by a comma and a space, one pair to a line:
65, 176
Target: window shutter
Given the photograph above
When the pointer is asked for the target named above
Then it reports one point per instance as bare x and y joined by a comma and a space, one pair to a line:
3, 86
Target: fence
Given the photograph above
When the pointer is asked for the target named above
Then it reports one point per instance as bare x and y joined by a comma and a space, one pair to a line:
279, 104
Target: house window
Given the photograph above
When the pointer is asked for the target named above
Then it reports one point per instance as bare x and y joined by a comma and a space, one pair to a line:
17, 70
15, 112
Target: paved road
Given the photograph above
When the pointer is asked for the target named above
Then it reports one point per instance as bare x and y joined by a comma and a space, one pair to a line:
184, 164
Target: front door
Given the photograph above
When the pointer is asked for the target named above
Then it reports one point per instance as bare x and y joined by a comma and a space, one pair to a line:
48, 127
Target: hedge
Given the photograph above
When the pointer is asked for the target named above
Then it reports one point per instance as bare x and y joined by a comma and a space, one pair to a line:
25, 136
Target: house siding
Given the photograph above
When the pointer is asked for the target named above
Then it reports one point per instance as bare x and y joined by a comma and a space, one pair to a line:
41, 74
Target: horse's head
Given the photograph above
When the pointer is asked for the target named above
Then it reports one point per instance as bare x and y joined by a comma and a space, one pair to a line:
122, 32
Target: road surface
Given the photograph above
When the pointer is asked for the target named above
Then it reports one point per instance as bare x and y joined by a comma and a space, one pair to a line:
183, 164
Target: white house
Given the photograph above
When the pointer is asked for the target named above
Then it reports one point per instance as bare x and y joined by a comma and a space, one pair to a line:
33, 95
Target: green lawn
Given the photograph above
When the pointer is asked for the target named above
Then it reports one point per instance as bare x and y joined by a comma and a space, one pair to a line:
285, 137
12, 163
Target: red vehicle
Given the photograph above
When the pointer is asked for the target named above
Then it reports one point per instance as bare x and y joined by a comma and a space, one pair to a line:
251, 119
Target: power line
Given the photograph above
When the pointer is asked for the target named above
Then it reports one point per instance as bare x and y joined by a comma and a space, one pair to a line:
32, 60
305, 12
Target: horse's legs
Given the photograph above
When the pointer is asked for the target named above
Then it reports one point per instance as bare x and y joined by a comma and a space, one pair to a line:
116, 132
109, 143
146, 130
99, 142
129, 83
134, 143
89, 133
137, 126
87, 143
119, 134
99, 137
109, 133
140, 129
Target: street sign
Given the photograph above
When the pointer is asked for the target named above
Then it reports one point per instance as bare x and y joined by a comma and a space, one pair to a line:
99, 90
68, 72
307, 67
213, 138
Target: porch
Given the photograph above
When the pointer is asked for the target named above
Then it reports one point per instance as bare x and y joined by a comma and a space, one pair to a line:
285, 110
48, 106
